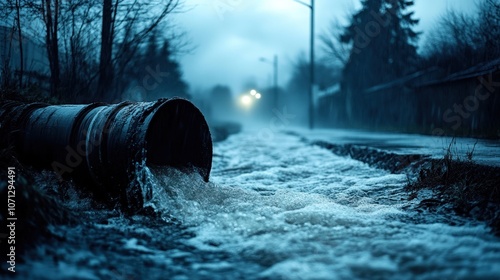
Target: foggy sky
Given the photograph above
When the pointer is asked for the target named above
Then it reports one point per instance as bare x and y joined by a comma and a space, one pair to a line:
231, 35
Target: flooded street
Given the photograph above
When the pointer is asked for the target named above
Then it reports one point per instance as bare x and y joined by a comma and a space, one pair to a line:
280, 209
231, 139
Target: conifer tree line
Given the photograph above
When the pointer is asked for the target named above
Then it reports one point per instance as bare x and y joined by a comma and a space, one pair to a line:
96, 50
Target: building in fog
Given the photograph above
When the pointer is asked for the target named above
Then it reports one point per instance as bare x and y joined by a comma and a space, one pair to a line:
465, 103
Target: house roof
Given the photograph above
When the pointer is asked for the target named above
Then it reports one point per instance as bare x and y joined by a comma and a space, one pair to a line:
404, 81
417, 79
469, 73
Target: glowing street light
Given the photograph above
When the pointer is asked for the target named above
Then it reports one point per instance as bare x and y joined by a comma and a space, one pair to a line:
246, 101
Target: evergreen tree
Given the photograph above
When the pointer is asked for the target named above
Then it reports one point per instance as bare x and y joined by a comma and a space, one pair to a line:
163, 72
150, 54
382, 38
173, 85
383, 48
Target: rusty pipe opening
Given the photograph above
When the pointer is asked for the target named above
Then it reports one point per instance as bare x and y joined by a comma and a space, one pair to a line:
102, 145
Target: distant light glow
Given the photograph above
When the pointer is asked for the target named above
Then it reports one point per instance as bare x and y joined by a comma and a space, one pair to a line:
258, 95
246, 101
253, 92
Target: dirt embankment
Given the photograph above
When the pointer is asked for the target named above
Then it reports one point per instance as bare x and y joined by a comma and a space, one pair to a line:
470, 189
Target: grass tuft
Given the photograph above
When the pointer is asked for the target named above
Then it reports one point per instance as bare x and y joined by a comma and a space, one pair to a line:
472, 189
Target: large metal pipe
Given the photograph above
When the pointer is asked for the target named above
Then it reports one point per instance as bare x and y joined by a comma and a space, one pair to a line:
103, 145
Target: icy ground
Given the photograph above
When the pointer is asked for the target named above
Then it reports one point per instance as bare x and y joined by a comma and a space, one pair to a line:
276, 208
484, 151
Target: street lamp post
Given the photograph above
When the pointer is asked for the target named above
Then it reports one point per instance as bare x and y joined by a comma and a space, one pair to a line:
275, 77
311, 65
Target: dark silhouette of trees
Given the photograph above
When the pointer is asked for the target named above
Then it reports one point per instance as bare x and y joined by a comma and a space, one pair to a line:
126, 25
296, 93
7, 8
90, 44
79, 42
337, 52
489, 28
107, 38
173, 85
17, 6
462, 40
154, 72
378, 45
383, 42
50, 11
387, 85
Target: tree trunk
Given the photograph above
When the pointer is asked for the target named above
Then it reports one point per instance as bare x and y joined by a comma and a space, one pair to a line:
105, 67
20, 35
51, 20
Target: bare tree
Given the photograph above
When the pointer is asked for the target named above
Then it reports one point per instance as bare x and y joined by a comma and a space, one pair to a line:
336, 50
489, 27
473, 38
7, 8
90, 43
50, 12
78, 22
125, 27
333, 46
107, 38
20, 37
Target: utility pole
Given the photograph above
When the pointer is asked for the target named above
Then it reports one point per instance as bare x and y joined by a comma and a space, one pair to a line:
276, 98
311, 88
311, 64
274, 62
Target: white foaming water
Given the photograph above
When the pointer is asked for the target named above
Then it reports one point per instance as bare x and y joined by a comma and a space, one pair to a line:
300, 212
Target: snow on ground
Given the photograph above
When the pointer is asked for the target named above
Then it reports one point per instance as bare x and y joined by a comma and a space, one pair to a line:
485, 151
